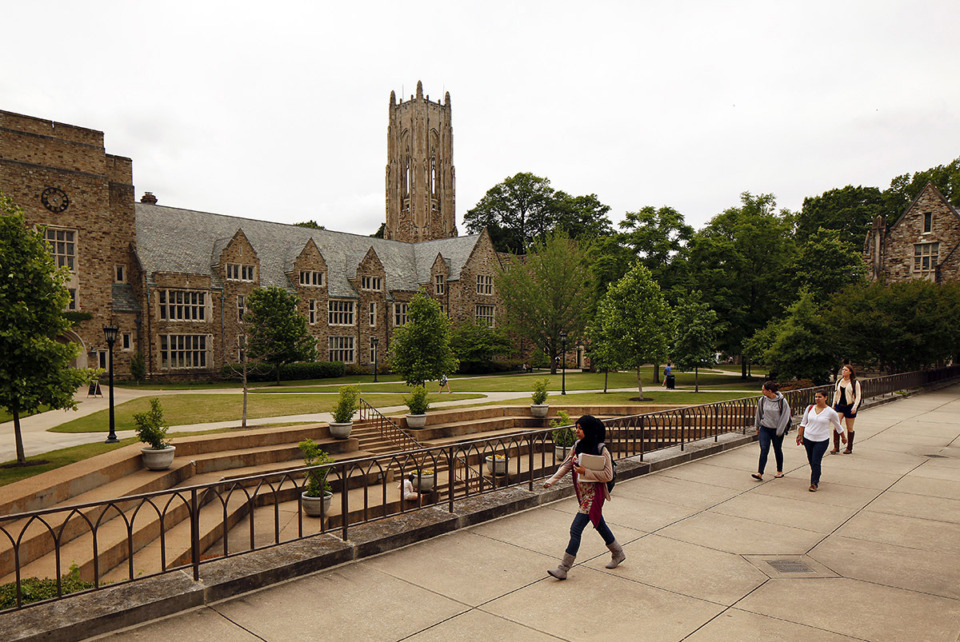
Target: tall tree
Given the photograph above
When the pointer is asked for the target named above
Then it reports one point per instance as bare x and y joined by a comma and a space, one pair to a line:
278, 332
582, 217
904, 188
635, 322
826, 264
695, 339
657, 237
515, 212
848, 210
420, 349
547, 292
34, 366
476, 344
741, 262
804, 343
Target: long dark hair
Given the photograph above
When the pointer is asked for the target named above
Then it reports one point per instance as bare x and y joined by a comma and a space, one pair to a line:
853, 373
594, 434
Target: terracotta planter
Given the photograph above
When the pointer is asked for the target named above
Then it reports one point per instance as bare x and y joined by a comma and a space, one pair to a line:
341, 431
311, 505
539, 409
427, 482
496, 467
416, 421
160, 459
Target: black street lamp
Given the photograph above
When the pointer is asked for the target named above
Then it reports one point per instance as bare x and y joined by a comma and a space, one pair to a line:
110, 334
375, 341
563, 363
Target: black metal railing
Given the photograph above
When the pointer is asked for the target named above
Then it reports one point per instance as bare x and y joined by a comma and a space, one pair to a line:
148, 534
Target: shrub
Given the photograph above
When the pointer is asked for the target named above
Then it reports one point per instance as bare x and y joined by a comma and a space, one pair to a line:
313, 455
138, 368
346, 404
151, 427
288, 372
540, 393
34, 589
417, 401
564, 433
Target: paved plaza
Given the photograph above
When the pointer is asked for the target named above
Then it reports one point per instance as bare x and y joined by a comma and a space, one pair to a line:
711, 555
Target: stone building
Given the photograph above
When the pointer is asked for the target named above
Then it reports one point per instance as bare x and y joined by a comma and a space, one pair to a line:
922, 244
175, 281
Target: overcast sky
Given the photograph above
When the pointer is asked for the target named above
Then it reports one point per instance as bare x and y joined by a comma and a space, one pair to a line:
278, 110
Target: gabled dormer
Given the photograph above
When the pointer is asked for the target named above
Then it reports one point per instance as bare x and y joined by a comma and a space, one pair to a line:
235, 261
370, 275
439, 275
309, 269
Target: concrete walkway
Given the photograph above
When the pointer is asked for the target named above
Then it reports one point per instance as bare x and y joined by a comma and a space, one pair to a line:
711, 555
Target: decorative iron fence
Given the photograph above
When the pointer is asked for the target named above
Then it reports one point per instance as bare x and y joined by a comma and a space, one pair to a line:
145, 535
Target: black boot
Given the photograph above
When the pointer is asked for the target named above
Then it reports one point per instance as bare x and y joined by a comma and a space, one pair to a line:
849, 449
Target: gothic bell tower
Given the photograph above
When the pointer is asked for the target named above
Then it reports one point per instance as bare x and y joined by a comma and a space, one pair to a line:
420, 174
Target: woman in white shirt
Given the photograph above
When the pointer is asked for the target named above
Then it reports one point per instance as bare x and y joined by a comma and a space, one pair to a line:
814, 434
846, 401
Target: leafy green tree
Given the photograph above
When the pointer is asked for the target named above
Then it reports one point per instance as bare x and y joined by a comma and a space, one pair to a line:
582, 217
695, 340
476, 344
420, 349
904, 188
34, 366
658, 238
635, 322
804, 343
609, 260
547, 293
278, 332
826, 264
311, 224
741, 261
848, 210
515, 212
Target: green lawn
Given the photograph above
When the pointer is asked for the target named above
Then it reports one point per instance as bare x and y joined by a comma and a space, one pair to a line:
204, 408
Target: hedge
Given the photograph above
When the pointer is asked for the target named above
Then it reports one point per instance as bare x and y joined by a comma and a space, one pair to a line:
288, 372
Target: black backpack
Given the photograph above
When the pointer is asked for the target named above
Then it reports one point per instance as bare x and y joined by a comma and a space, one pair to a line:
613, 481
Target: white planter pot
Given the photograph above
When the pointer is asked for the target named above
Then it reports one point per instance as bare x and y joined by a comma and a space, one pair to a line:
427, 482
311, 505
539, 409
561, 452
155, 459
341, 431
496, 466
416, 421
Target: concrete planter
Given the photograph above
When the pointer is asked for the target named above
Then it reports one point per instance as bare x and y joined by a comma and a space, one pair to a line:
427, 482
539, 409
341, 431
311, 505
160, 459
496, 467
561, 452
416, 421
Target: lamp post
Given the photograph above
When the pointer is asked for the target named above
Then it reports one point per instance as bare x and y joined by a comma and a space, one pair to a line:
563, 363
110, 334
375, 341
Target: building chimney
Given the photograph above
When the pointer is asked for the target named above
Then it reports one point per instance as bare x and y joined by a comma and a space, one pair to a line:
148, 198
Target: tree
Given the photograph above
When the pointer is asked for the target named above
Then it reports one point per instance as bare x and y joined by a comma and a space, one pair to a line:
657, 237
904, 188
547, 292
311, 224
476, 344
278, 331
826, 264
635, 322
741, 261
849, 211
694, 342
420, 349
515, 212
34, 366
804, 344
581, 217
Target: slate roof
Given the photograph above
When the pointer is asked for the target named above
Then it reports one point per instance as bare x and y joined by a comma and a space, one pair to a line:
171, 239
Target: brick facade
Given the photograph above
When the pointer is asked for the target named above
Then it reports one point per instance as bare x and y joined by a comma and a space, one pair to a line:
175, 281
922, 244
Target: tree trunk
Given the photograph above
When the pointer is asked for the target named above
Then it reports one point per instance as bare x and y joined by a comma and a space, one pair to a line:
696, 378
278, 374
21, 458
656, 373
606, 373
743, 368
639, 383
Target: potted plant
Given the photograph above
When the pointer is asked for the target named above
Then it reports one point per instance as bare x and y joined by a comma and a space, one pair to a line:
317, 490
497, 464
347, 402
428, 479
539, 406
563, 435
152, 430
418, 406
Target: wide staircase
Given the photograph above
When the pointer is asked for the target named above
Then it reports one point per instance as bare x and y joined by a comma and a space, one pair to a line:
244, 509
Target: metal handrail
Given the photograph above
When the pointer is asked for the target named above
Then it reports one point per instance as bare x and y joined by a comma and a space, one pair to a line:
365, 487
387, 427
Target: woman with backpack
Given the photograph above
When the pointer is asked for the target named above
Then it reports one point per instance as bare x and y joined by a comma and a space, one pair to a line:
772, 423
846, 401
591, 488
814, 434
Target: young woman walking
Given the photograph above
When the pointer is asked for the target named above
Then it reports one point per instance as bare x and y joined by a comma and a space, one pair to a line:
814, 434
591, 488
846, 401
772, 422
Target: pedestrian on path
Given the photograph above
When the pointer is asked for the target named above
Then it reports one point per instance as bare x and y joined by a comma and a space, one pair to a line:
591, 489
846, 401
814, 434
444, 384
772, 422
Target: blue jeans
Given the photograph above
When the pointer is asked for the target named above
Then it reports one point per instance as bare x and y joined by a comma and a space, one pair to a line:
815, 450
580, 522
768, 436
